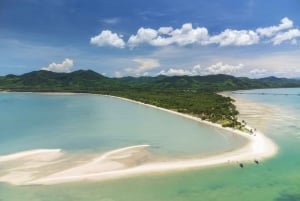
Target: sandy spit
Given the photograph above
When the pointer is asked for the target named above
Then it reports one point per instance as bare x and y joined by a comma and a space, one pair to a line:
109, 165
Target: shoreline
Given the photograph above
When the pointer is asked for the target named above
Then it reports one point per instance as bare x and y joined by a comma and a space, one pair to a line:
258, 147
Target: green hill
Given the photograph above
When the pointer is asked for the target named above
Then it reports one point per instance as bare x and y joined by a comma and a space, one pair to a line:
88, 80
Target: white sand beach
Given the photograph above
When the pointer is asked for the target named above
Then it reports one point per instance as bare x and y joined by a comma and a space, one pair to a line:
128, 161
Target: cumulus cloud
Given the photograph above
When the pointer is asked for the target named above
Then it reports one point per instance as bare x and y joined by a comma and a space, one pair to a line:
118, 74
235, 37
258, 72
218, 68
167, 35
288, 35
143, 36
144, 64
108, 38
189, 35
165, 30
267, 63
286, 23
64, 67
179, 72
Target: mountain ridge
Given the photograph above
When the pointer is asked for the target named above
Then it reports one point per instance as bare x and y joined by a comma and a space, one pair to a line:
82, 80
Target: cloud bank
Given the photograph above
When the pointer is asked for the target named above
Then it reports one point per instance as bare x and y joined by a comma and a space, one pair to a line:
64, 67
144, 64
235, 38
189, 35
218, 68
290, 35
164, 36
286, 23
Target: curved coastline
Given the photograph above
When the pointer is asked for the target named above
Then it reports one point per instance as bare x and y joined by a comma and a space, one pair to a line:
257, 147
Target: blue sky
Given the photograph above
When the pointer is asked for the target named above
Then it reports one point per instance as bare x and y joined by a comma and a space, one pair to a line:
251, 38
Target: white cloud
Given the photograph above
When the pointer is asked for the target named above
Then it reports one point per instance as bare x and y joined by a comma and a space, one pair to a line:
235, 37
189, 35
146, 74
278, 61
178, 71
288, 35
258, 72
144, 64
165, 30
113, 20
143, 36
118, 74
108, 38
218, 68
64, 67
167, 35
286, 23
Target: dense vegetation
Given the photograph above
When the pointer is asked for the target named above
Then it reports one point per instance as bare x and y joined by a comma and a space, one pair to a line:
194, 95
207, 106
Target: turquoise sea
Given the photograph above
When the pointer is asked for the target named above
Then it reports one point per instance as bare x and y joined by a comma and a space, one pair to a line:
87, 123
93, 123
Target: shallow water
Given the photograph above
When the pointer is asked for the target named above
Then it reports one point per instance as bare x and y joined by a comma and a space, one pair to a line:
275, 179
96, 123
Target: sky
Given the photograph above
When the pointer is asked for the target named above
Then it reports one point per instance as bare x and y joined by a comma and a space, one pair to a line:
117, 38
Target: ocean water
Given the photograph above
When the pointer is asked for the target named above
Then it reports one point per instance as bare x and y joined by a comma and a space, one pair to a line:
92, 123
275, 179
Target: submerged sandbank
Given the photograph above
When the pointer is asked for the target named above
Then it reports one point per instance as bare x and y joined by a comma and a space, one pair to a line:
259, 147
31, 153
129, 160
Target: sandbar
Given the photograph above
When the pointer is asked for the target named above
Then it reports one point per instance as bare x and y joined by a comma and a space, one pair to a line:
111, 165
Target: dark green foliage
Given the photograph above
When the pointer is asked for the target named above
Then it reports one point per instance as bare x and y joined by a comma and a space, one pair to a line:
205, 105
87, 81
194, 95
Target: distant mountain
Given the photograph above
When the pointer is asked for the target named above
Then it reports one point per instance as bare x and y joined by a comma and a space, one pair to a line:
272, 79
50, 81
276, 82
90, 81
